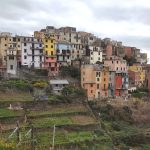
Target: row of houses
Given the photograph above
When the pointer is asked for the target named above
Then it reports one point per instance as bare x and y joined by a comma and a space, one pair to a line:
108, 68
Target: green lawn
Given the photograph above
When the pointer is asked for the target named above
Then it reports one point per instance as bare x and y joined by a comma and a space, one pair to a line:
9, 113
14, 96
48, 122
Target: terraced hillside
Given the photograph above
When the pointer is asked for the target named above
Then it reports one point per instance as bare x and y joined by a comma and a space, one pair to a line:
76, 128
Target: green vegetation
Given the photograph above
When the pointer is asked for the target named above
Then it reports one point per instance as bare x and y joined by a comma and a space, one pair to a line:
70, 71
48, 122
140, 92
9, 113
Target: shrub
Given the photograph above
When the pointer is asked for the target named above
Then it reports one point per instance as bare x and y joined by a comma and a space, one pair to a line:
40, 84
41, 72
70, 71
7, 146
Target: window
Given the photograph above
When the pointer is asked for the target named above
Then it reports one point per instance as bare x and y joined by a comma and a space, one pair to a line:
83, 79
46, 41
91, 85
97, 86
5, 44
51, 41
98, 58
51, 52
117, 62
18, 39
91, 53
40, 45
91, 91
52, 69
25, 57
97, 74
25, 44
46, 52
117, 68
112, 62
18, 45
51, 46
11, 67
97, 79
104, 79
91, 58
11, 57
46, 46
25, 50
104, 86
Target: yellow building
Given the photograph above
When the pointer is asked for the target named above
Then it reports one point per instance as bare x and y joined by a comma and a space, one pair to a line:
50, 54
140, 70
8, 41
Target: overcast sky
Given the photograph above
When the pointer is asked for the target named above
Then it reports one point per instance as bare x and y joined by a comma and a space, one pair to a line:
124, 20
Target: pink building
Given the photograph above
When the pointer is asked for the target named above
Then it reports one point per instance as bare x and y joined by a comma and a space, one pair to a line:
121, 80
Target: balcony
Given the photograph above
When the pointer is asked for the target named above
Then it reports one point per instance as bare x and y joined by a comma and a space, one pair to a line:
40, 54
36, 48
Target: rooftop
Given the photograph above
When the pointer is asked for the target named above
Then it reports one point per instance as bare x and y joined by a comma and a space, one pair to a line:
59, 82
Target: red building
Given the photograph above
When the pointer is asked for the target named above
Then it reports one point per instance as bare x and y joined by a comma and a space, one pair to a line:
148, 81
118, 90
128, 51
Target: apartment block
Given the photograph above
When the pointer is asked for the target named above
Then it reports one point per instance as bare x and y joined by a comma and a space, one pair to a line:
32, 53
63, 52
11, 61
94, 79
137, 75
121, 77
50, 61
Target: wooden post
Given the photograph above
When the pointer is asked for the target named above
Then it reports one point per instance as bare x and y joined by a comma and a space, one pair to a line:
53, 146
32, 138
18, 130
1, 130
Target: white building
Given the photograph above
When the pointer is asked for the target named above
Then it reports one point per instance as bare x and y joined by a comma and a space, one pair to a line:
11, 61
58, 85
32, 52
96, 54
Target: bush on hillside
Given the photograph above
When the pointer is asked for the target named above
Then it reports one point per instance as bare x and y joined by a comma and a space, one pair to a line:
70, 71
41, 72
7, 146
40, 84
22, 85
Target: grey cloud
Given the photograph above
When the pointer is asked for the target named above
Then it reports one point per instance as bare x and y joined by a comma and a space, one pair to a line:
135, 41
13, 11
115, 13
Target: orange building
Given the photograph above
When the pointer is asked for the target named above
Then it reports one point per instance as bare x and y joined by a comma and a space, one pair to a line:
94, 79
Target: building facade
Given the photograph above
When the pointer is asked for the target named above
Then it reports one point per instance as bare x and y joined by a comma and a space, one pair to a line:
32, 53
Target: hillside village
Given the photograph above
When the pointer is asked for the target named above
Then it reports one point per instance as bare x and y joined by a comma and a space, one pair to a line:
107, 67
63, 89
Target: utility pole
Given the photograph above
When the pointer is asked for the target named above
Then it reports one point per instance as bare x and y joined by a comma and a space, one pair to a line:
53, 146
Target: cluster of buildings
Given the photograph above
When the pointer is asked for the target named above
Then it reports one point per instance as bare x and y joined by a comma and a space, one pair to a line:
108, 68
